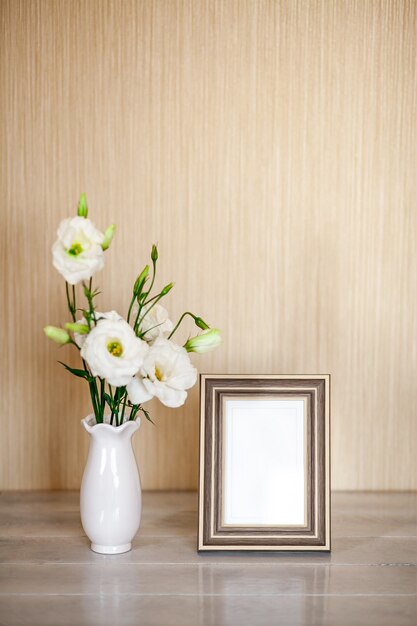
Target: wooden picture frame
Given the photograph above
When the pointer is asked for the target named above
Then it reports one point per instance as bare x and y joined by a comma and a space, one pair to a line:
265, 488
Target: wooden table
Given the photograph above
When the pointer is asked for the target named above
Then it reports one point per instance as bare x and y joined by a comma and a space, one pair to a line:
48, 575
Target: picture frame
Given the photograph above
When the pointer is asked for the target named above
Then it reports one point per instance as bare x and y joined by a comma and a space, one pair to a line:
264, 479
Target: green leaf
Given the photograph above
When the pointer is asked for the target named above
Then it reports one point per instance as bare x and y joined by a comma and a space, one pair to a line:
148, 417
87, 315
79, 373
109, 401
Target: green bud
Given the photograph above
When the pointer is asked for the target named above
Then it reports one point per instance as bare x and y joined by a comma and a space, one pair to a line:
208, 340
59, 335
166, 289
140, 281
108, 236
75, 327
154, 253
82, 206
201, 323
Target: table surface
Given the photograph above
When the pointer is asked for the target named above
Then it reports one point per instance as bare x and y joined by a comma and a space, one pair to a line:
49, 576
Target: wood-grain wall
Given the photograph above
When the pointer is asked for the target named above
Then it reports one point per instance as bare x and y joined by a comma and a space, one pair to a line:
270, 147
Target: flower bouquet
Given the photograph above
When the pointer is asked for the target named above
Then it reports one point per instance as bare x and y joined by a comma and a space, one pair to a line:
125, 362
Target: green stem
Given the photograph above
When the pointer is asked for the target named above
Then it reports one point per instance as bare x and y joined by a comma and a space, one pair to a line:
71, 305
130, 307
87, 292
118, 397
95, 400
133, 412
90, 301
74, 303
116, 405
115, 399
153, 278
138, 323
141, 335
179, 322
151, 299
103, 400
140, 306
93, 393
138, 295
124, 408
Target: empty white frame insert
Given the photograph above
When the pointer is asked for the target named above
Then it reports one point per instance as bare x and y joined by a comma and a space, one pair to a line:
264, 462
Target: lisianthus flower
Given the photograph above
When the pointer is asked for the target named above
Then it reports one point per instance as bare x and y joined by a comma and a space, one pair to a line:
77, 253
204, 342
156, 323
112, 350
166, 373
80, 338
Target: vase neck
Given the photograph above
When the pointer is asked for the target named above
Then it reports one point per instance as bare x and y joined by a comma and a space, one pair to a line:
105, 432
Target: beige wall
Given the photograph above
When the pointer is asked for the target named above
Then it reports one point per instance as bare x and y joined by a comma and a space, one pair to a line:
270, 147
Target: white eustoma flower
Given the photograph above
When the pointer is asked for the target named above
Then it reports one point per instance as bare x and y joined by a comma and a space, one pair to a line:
111, 315
156, 323
166, 373
77, 253
112, 350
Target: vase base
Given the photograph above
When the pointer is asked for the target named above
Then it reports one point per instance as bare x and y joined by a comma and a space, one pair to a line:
111, 549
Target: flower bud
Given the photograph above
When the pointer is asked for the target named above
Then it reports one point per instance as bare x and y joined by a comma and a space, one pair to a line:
166, 289
140, 281
59, 335
82, 206
201, 323
76, 327
154, 253
208, 340
108, 236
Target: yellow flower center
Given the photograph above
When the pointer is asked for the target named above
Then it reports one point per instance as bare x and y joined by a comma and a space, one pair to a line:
158, 373
75, 249
115, 348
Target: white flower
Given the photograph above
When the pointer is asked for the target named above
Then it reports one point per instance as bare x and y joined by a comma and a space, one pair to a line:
113, 351
167, 371
155, 323
77, 253
111, 315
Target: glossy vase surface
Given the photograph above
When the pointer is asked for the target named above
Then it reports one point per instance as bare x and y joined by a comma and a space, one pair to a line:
110, 497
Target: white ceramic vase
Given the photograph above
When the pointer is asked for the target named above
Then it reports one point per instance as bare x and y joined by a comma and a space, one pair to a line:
110, 497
